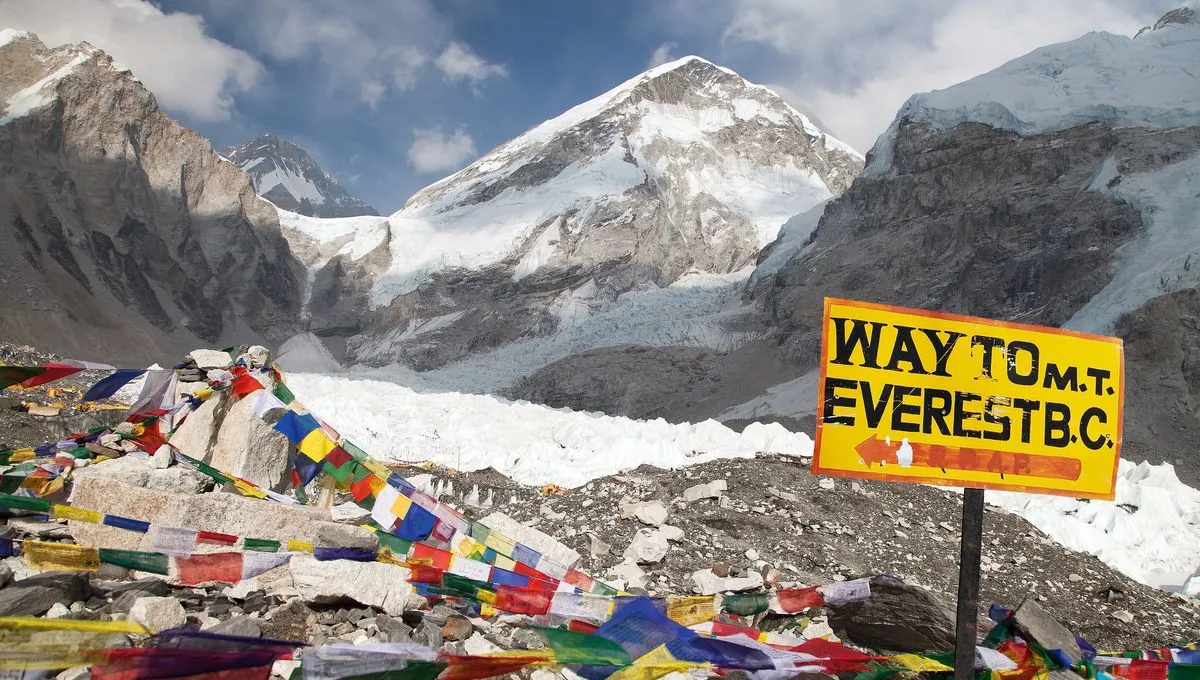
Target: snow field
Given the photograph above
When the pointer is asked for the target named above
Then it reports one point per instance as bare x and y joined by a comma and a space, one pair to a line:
528, 443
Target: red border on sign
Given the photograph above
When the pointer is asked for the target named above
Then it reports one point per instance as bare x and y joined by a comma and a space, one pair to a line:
938, 481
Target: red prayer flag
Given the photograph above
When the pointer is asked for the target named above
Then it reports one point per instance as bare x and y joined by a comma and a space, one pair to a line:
793, 600
215, 538
580, 626
537, 579
475, 667
437, 558
360, 490
243, 383
580, 580
51, 372
523, 600
337, 457
196, 569
424, 574
723, 629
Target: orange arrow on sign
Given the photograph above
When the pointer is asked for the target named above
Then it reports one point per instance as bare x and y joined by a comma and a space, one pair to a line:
876, 450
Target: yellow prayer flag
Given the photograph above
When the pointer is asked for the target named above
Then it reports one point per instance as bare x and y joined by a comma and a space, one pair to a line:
654, 664
688, 611
376, 485
401, 505
33, 622
316, 445
21, 455
485, 596
487, 611
59, 511
500, 543
203, 394
919, 664
299, 546
378, 469
247, 489
60, 556
506, 562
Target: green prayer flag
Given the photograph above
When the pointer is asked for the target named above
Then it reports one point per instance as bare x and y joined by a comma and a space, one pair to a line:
463, 585
479, 532
1183, 671
262, 545
396, 544
211, 471
340, 474
10, 483
25, 503
602, 588
584, 648
14, 375
282, 393
879, 672
746, 604
155, 563
355, 452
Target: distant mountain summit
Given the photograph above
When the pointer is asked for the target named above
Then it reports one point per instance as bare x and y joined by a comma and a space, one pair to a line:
287, 176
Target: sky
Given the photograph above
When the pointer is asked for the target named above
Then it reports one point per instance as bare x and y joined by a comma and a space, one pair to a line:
392, 95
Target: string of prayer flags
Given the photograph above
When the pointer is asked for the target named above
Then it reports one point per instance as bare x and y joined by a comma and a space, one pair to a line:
15, 375
407, 660
50, 372
34, 644
172, 540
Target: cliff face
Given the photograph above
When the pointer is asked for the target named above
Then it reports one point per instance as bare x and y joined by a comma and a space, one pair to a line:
125, 236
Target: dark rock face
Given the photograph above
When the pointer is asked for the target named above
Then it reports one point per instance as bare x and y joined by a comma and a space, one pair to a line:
974, 220
985, 222
266, 158
126, 236
35, 595
897, 617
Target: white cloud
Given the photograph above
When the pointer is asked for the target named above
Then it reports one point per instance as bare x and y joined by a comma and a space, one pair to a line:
433, 150
188, 71
372, 92
855, 64
661, 55
458, 62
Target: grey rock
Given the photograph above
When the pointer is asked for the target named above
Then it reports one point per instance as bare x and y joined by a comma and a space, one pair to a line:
1038, 625
35, 595
392, 630
897, 617
145, 473
649, 546
6, 575
238, 625
332, 535
40, 528
713, 489
158, 613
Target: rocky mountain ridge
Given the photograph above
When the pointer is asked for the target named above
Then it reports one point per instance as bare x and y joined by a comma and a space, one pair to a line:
126, 236
1059, 189
685, 169
287, 176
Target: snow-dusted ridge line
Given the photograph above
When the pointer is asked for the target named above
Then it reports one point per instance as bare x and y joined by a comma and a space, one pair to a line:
1147, 81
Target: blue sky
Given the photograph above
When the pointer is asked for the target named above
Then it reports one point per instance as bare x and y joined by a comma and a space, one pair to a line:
391, 95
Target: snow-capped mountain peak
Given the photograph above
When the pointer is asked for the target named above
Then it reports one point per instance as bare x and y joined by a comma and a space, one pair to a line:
685, 165
290, 178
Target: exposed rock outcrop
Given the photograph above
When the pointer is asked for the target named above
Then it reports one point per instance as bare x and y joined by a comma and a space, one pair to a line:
125, 236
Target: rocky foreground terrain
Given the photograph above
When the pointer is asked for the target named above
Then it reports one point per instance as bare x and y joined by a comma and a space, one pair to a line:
724, 526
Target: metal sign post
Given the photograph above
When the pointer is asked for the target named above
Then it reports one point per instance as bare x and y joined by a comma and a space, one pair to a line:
970, 550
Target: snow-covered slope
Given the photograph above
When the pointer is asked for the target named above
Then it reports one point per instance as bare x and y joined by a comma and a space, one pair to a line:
686, 141
1145, 81
288, 176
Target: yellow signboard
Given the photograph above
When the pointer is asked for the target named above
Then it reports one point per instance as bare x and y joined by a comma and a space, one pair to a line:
913, 396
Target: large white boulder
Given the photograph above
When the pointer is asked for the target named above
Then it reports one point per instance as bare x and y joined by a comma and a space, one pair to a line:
227, 434
374, 584
144, 472
158, 613
218, 511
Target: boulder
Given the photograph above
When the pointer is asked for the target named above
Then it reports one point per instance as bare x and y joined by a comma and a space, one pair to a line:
374, 584
146, 473
227, 434
158, 613
705, 582
629, 573
713, 489
243, 626
648, 547
333, 535
35, 595
348, 513
897, 617
211, 358
1036, 624
653, 513
222, 512
457, 628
